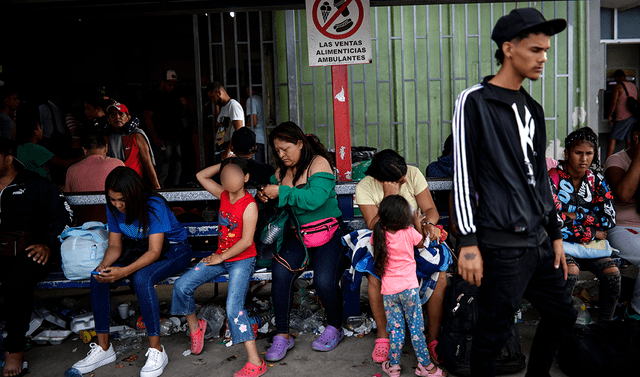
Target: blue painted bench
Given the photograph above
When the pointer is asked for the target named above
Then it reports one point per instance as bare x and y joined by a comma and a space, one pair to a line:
344, 190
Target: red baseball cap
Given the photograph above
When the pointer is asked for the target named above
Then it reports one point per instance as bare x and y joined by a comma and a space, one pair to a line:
118, 106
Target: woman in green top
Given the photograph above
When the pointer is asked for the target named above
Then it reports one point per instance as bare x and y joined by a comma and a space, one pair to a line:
304, 181
34, 156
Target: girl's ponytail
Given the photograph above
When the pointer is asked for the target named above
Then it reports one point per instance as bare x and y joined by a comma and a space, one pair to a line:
379, 248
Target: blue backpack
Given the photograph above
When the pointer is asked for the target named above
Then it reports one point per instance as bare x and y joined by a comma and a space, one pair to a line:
83, 248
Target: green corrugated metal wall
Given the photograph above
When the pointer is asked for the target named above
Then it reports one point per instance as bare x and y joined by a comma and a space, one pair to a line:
423, 57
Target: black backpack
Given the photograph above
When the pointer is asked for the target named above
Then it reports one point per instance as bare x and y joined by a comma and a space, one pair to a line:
458, 323
601, 349
632, 104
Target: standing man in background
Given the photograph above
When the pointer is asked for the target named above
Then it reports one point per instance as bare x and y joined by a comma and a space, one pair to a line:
624, 120
8, 105
229, 119
255, 120
163, 117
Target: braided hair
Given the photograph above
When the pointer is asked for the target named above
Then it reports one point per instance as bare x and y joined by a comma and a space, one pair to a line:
581, 135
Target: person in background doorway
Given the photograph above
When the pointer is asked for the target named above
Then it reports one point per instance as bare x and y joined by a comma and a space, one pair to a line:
162, 115
623, 121
256, 120
94, 109
229, 119
9, 103
34, 156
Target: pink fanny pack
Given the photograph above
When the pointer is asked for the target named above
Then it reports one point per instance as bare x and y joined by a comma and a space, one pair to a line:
318, 232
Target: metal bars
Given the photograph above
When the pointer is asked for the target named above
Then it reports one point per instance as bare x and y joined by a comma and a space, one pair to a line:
234, 58
406, 97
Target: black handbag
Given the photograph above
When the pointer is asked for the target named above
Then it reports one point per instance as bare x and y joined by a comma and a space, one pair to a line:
632, 104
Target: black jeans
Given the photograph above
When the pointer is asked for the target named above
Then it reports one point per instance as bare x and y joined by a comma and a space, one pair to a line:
328, 261
19, 276
509, 275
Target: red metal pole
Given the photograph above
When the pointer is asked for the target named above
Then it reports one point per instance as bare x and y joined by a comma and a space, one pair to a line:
341, 121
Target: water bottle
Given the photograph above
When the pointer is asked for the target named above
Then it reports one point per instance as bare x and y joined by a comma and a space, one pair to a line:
132, 333
128, 345
261, 319
584, 318
272, 233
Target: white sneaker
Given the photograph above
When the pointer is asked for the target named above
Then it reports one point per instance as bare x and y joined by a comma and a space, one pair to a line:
156, 361
96, 358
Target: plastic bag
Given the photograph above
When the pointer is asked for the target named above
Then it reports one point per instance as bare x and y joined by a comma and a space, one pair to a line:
215, 316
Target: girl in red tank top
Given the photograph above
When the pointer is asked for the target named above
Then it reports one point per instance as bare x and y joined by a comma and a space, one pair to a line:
236, 256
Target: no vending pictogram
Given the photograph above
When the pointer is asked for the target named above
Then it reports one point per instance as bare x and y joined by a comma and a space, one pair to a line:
338, 19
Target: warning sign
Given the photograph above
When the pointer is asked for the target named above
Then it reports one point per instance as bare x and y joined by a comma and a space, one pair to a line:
339, 32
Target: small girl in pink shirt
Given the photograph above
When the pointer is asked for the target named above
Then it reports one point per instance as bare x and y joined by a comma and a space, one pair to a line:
393, 241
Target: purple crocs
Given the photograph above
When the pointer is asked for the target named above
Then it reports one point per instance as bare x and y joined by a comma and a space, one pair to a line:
279, 348
329, 339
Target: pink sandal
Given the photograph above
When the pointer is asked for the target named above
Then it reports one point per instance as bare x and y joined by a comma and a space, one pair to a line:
391, 370
381, 350
432, 352
197, 337
433, 372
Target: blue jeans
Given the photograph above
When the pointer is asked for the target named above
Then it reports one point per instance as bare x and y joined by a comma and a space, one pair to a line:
177, 259
239, 272
397, 308
329, 262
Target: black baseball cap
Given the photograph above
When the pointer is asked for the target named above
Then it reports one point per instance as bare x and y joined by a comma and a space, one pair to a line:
243, 140
9, 147
522, 19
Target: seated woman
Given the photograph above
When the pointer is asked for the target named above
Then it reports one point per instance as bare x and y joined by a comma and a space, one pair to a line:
146, 244
304, 181
387, 175
34, 156
622, 171
585, 206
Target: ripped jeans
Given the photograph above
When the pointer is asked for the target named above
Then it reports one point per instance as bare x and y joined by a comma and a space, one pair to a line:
239, 272
609, 283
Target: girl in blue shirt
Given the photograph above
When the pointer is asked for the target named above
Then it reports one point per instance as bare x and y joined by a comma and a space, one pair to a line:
139, 217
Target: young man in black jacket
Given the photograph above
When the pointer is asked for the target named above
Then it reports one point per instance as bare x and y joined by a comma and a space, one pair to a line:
32, 204
503, 208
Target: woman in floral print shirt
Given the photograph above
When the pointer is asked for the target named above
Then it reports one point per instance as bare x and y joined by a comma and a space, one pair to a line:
585, 208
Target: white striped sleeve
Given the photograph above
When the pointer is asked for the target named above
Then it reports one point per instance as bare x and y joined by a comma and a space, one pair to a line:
463, 187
